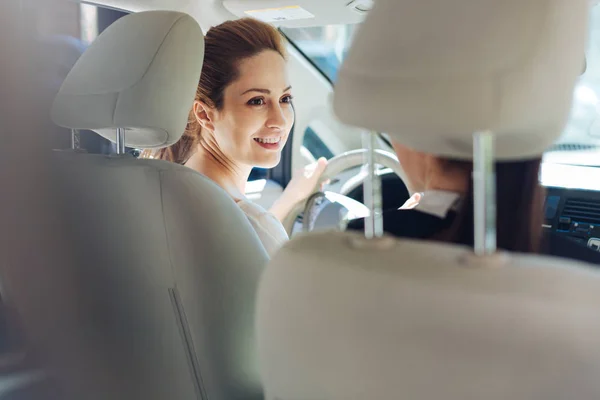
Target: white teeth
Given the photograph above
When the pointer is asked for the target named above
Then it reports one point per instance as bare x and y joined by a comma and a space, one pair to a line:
268, 140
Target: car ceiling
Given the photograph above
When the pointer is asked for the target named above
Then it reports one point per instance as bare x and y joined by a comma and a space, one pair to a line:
212, 12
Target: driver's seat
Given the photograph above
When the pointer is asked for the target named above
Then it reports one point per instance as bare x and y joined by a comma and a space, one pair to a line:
160, 302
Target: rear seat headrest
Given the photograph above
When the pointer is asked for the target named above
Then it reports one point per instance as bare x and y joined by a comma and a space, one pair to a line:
431, 73
140, 74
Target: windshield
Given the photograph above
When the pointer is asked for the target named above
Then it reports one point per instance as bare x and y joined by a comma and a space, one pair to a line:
579, 144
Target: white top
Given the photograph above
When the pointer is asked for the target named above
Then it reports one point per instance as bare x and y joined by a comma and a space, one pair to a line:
268, 228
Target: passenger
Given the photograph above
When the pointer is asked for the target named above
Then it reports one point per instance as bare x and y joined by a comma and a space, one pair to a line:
442, 208
241, 119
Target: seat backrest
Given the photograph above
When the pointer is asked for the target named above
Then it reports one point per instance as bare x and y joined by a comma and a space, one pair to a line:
343, 317
160, 301
168, 275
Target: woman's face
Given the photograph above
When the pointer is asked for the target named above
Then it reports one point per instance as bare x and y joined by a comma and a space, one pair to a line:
257, 115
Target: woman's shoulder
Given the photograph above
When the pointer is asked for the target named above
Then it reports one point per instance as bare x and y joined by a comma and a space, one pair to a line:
252, 209
268, 228
264, 217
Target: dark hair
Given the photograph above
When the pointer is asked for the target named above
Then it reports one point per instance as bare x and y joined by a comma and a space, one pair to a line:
225, 45
519, 205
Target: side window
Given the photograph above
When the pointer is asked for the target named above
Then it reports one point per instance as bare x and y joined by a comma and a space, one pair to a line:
313, 143
325, 46
95, 19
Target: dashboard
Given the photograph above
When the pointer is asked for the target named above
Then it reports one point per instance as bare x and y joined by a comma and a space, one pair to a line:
575, 214
572, 210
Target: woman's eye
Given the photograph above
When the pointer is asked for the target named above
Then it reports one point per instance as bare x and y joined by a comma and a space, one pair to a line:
287, 99
256, 102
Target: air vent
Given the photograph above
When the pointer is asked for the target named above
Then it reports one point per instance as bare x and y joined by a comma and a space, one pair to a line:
581, 210
573, 147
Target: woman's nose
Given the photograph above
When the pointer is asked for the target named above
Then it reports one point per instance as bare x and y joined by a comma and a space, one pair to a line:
277, 118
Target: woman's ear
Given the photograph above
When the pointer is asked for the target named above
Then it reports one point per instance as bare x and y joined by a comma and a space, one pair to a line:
204, 115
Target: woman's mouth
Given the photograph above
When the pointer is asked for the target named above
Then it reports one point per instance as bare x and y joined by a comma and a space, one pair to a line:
269, 143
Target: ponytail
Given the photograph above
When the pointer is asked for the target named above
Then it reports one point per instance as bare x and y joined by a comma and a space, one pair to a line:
182, 150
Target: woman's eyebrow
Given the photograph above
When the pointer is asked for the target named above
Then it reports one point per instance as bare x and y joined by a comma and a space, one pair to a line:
264, 91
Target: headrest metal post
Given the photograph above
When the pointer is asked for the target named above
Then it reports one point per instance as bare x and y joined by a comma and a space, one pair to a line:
372, 190
484, 193
75, 139
120, 141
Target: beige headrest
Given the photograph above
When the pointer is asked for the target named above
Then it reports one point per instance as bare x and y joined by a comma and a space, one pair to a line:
140, 74
431, 73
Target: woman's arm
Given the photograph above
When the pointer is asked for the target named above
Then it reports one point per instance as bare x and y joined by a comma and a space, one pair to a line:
299, 188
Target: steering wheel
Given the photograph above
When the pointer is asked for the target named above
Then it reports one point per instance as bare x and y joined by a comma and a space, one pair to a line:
335, 166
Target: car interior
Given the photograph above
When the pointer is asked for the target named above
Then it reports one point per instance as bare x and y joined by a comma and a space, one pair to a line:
166, 291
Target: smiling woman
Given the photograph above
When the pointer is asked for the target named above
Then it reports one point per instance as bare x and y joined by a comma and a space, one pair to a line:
256, 115
241, 119
232, 49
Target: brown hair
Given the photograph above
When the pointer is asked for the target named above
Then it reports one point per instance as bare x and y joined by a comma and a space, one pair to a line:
519, 207
225, 45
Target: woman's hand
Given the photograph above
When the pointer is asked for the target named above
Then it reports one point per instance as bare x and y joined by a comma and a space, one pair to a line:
300, 187
412, 202
305, 180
